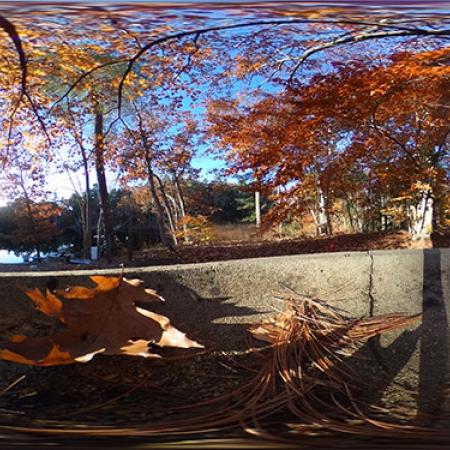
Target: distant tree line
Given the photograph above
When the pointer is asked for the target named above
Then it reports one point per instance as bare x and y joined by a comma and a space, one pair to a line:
47, 226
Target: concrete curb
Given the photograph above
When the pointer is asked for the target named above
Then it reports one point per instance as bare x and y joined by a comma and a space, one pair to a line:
210, 301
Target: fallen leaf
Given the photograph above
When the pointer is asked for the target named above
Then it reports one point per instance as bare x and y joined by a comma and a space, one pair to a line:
108, 318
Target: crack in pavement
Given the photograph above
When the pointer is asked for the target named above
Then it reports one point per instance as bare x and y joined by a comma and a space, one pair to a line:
370, 288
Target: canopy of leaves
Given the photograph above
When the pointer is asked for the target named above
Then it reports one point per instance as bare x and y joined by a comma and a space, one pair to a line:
384, 124
315, 102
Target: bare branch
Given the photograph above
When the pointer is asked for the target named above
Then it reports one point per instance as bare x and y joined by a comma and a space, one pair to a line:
365, 36
82, 77
190, 56
396, 32
11, 31
393, 29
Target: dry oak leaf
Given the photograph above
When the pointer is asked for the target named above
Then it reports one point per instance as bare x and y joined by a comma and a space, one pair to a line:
104, 319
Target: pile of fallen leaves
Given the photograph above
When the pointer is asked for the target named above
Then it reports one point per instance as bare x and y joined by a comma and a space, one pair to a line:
302, 384
230, 250
216, 251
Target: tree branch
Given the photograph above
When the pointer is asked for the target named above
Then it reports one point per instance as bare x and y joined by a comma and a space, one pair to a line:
11, 31
190, 56
383, 132
366, 36
442, 147
82, 77
390, 30
397, 32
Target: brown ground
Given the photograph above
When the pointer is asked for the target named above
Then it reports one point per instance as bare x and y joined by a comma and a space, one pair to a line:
120, 391
186, 254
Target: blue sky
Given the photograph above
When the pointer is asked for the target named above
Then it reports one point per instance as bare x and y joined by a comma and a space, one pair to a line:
61, 185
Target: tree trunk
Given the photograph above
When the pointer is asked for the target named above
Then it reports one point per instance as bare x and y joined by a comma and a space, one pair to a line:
421, 216
313, 213
153, 190
102, 187
87, 232
280, 223
130, 241
175, 209
322, 218
180, 198
99, 232
30, 217
348, 209
436, 219
168, 210
159, 207
329, 225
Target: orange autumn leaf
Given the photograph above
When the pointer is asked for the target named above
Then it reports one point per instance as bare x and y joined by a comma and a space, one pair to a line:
56, 357
103, 319
49, 304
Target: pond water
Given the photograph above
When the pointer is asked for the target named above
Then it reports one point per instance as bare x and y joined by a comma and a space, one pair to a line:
8, 257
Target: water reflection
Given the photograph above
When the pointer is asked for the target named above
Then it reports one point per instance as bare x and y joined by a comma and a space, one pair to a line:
8, 257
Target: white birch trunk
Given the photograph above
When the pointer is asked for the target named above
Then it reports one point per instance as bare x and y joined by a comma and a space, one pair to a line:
421, 216
258, 210
322, 215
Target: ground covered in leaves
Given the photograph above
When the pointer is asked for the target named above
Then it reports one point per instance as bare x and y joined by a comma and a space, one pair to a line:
337, 243
123, 392
298, 379
119, 391
185, 254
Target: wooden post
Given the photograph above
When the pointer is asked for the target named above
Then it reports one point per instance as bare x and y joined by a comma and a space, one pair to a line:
258, 212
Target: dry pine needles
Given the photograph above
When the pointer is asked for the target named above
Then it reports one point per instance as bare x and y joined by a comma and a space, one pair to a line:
303, 385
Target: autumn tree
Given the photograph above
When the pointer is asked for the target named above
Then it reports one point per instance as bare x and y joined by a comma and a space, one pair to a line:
291, 159
152, 149
33, 218
35, 226
176, 166
390, 120
175, 62
396, 119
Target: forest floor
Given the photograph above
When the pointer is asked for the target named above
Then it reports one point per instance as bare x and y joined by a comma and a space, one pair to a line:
227, 250
109, 391
136, 395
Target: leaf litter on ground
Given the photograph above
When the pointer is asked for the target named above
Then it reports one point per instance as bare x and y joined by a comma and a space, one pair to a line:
300, 385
